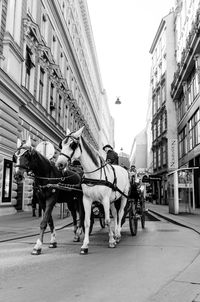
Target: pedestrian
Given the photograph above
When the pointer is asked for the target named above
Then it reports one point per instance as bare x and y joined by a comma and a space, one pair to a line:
112, 156
35, 203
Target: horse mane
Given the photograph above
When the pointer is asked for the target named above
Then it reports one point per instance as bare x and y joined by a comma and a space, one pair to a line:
91, 151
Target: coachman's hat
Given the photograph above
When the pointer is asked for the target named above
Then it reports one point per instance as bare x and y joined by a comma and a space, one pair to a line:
107, 146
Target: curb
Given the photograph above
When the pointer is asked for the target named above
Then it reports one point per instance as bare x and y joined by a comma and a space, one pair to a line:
57, 228
174, 221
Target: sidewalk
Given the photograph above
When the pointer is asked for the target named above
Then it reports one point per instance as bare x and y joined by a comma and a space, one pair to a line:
22, 224
186, 219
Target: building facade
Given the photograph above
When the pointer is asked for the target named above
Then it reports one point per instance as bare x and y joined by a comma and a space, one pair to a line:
185, 90
164, 127
50, 83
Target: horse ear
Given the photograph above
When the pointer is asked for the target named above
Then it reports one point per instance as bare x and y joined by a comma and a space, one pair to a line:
78, 133
60, 145
19, 142
14, 159
28, 142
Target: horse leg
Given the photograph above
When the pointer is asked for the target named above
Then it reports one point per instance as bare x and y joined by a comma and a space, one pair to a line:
43, 224
120, 216
76, 235
53, 243
87, 207
80, 210
114, 214
106, 205
72, 208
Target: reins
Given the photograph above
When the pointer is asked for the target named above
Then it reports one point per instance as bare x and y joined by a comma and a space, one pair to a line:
90, 181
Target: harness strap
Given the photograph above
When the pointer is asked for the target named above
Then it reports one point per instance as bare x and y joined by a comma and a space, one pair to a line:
101, 182
115, 178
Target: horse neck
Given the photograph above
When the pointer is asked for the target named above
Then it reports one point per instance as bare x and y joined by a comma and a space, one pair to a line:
89, 165
40, 165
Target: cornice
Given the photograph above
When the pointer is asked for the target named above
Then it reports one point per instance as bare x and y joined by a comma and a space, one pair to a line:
89, 34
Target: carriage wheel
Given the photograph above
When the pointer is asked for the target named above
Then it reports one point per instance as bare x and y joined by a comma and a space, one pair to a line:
102, 222
133, 223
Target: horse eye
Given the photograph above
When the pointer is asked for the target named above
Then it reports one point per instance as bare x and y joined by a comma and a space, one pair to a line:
73, 145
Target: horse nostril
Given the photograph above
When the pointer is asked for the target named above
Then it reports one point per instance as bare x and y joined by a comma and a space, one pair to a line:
18, 177
60, 166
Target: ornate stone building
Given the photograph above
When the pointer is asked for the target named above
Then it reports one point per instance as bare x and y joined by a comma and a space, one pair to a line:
50, 83
164, 127
185, 90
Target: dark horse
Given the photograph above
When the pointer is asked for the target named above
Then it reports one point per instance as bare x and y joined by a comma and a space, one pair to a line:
46, 178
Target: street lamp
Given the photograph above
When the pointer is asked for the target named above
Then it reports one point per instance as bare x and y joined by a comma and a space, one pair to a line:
117, 102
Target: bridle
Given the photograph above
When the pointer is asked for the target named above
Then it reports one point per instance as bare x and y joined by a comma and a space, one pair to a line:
26, 149
76, 143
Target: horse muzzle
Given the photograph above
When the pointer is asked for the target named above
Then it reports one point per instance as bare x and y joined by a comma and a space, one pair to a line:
61, 164
18, 176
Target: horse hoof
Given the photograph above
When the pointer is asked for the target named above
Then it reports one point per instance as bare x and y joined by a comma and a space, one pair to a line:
76, 239
117, 239
84, 251
36, 252
112, 245
53, 245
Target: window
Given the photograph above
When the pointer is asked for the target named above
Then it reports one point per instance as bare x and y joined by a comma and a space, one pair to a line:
182, 142
192, 87
194, 129
44, 26
41, 85
7, 181
154, 131
154, 105
61, 63
154, 159
29, 64
164, 121
196, 85
181, 107
159, 157
54, 47
159, 126
164, 151
163, 93
52, 104
158, 99
14, 13
60, 120
66, 119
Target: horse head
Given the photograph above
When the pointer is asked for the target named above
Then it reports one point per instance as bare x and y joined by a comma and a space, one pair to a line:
22, 158
70, 149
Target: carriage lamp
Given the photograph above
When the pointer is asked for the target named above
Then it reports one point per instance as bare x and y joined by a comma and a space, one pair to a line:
117, 102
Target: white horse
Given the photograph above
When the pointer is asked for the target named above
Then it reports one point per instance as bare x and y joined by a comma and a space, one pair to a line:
106, 183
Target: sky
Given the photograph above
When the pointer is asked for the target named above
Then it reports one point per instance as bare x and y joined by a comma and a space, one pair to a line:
123, 32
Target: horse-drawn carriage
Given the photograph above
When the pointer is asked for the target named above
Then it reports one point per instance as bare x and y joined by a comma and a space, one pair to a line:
107, 185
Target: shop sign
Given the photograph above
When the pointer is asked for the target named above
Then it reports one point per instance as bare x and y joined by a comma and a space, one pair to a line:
173, 154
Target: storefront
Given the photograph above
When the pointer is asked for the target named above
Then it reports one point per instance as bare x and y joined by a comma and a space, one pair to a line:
180, 190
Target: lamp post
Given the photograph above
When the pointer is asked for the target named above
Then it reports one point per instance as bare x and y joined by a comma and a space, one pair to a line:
117, 102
